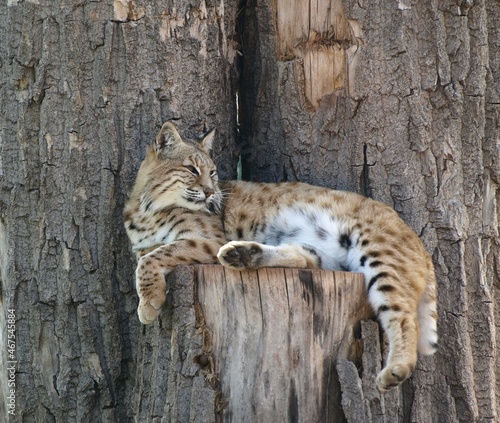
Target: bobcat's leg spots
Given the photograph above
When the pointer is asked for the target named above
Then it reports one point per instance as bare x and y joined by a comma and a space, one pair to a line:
398, 317
152, 290
402, 332
240, 255
152, 268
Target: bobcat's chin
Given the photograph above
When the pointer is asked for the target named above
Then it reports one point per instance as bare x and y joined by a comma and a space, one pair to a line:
211, 206
214, 205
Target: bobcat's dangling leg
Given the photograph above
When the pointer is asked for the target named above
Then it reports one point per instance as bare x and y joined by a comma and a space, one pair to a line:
398, 317
402, 332
154, 266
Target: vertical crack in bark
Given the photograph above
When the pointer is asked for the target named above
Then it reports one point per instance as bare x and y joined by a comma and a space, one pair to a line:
123, 321
100, 349
260, 301
365, 174
245, 91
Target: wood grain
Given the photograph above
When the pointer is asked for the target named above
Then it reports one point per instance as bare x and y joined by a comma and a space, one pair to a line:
276, 335
320, 36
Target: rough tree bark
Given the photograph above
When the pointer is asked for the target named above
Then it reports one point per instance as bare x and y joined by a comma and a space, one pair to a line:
85, 86
397, 100
412, 120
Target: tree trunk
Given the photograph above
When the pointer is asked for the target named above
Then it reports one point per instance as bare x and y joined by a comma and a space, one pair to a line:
411, 119
85, 86
396, 100
255, 346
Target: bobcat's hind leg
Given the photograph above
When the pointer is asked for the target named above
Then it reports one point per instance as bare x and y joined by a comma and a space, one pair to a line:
397, 315
240, 255
402, 333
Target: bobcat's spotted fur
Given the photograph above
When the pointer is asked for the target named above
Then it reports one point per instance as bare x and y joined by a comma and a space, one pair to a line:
179, 213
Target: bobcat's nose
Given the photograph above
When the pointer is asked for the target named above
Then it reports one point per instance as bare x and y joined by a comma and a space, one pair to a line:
208, 192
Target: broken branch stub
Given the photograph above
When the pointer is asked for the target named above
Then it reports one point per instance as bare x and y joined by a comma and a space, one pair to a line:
319, 34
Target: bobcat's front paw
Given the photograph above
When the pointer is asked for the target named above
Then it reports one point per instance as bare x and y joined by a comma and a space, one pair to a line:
240, 255
148, 311
392, 376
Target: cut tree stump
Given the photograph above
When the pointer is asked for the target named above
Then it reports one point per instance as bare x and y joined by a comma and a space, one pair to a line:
257, 346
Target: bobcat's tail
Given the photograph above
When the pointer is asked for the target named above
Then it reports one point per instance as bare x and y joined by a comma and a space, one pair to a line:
427, 316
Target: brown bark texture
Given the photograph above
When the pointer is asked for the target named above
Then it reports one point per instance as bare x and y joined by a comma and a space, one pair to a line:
416, 125
397, 100
85, 86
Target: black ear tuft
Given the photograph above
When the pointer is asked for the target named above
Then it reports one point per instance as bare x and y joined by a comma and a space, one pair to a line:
167, 138
208, 141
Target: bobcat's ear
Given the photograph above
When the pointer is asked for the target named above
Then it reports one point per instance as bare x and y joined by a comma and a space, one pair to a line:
167, 138
208, 141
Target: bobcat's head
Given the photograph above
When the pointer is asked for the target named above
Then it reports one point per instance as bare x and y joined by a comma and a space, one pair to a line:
177, 173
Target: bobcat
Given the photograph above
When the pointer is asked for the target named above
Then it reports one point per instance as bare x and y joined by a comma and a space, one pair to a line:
179, 213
